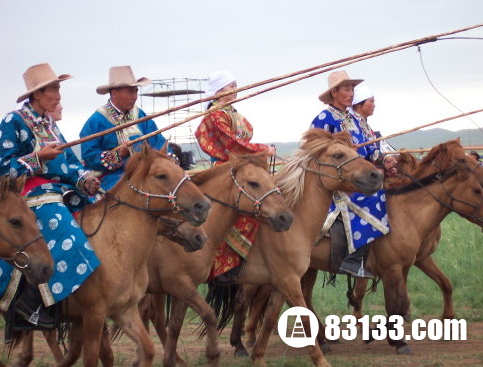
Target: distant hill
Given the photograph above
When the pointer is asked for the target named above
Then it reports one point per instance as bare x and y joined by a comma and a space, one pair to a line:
414, 140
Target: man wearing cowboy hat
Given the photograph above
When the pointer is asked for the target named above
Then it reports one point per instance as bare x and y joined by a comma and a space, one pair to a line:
98, 154
30, 146
356, 220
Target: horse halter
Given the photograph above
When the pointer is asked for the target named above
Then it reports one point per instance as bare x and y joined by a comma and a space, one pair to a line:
171, 197
338, 167
257, 203
20, 251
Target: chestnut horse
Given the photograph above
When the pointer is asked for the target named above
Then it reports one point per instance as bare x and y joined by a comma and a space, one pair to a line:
125, 225
446, 180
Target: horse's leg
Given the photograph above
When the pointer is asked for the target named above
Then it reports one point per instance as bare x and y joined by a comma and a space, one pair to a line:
308, 283
26, 355
294, 297
397, 302
244, 295
157, 316
178, 311
255, 313
106, 355
51, 339
131, 323
359, 293
75, 345
431, 269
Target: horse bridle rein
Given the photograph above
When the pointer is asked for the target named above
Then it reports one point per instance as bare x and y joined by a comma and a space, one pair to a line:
441, 176
257, 202
171, 197
20, 251
340, 177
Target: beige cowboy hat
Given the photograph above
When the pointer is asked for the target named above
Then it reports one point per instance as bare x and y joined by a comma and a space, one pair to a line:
122, 76
337, 79
39, 76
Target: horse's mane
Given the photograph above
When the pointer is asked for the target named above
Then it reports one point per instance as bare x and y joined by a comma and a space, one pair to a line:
235, 161
7, 184
291, 178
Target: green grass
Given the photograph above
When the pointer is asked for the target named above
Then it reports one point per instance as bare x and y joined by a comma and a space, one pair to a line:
460, 257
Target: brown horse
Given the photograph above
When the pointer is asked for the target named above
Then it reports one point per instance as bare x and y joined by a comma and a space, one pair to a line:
175, 272
447, 180
21, 243
324, 163
152, 186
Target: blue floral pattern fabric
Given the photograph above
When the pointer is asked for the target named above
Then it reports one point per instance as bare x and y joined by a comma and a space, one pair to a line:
358, 225
22, 134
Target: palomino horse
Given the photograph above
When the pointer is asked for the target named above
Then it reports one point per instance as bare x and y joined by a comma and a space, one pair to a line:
243, 185
445, 181
324, 163
21, 243
126, 227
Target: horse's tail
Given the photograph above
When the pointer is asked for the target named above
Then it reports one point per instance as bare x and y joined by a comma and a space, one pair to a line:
222, 300
351, 299
169, 300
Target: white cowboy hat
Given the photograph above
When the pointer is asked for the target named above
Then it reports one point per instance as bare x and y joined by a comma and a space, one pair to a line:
337, 79
39, 76
122, 76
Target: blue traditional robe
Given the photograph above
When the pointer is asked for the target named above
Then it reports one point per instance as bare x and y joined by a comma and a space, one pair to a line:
23, 133
97, 154
364, 217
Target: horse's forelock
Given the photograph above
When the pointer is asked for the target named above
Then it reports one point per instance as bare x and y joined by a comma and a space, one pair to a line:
316, 141
257, 159
141, 162
7, 184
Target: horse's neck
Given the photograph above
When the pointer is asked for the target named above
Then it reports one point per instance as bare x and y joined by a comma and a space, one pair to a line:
418, 208
122, 230
311, 210
221, 217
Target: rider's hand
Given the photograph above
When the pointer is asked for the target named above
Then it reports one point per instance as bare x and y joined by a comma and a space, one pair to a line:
92, 185
123, 150
390, 166
49, 152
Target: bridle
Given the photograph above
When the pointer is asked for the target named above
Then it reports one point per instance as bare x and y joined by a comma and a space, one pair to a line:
20, 251
340, 177
257, 202
441, 176
171, 197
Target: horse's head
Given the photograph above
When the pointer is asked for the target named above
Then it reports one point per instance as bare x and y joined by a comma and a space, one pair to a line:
460, 176
164, 186
337, 163
21, 243
254, 190
190, 237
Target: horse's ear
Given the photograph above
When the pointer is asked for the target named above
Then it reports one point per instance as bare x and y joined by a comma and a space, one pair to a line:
164, 148
233, 159
4, 185
20, 183
145, 149
458, 140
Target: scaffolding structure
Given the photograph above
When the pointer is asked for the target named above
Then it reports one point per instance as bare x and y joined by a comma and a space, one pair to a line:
162, 94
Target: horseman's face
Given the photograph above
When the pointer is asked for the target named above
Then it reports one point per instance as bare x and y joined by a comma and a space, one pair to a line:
46, 99
124, 98
229, 97
342, 96
367, 108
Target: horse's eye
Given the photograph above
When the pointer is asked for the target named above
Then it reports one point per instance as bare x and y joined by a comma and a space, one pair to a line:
461, 160
15, 222
253, 184
477, 191
162, 176
338, 155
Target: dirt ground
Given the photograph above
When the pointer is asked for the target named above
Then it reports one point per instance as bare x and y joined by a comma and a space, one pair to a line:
354, 353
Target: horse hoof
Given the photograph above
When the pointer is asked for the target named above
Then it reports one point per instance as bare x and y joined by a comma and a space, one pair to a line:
405, 349
370, 340
407, 317
240, 353
325, 348
250, 343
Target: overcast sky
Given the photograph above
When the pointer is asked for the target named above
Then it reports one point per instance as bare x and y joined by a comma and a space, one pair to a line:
256, 40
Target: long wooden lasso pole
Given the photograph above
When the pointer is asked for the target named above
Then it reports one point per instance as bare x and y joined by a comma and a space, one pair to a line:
418, 128
355, 58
